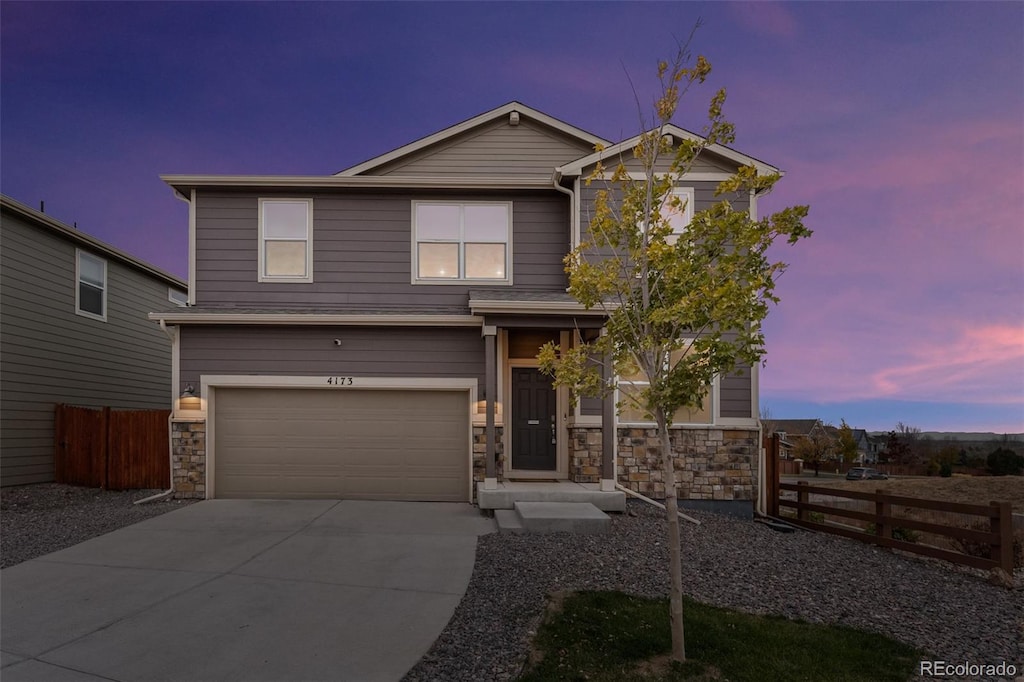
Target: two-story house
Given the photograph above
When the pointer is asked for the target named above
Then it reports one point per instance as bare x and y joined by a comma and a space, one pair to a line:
73, 329
374, 333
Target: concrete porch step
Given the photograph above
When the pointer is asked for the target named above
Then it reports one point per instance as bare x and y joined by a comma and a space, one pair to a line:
507, 494
553, 517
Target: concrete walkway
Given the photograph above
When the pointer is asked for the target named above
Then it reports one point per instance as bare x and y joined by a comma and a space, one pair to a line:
244, 590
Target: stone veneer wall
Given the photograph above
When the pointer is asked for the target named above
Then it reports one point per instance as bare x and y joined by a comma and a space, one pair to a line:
188, 458
480, 454
710, 463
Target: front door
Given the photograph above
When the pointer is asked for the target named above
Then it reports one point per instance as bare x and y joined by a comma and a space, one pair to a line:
533, 420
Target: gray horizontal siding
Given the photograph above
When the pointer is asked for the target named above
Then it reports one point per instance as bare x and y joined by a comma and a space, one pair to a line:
703, 198
735, 391
362, 251
51, 355
497, 149
311, 351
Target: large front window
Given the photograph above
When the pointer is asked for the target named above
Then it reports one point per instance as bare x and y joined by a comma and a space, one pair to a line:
461, 241
286, 240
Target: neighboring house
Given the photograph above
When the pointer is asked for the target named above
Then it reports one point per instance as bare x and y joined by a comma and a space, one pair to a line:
792, 431
867, 451
73, 329
374, 333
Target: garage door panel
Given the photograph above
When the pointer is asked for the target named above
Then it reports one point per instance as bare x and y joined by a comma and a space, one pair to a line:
369, 444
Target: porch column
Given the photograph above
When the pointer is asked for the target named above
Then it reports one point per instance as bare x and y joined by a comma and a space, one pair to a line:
491, 388
608, 435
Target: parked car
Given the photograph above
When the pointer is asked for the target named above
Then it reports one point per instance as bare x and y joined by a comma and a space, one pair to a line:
865, 473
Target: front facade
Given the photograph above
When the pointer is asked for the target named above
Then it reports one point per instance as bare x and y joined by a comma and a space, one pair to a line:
73, 329
373, 334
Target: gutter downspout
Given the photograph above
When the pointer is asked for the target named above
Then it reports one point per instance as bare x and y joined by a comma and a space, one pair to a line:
556, 178
170, 445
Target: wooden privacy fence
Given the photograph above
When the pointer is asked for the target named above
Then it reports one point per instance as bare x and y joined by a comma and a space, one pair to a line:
997, 516
113, 449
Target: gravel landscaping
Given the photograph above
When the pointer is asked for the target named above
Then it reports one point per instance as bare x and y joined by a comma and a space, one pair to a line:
953, 614
43, 518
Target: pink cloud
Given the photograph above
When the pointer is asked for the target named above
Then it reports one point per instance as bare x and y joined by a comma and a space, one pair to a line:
982, 365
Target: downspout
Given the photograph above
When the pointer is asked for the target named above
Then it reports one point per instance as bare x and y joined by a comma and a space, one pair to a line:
170, 444
556, 182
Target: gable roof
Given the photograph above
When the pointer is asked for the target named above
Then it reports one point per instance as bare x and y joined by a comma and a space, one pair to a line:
576, 167
79, 238
794, 427
459, 128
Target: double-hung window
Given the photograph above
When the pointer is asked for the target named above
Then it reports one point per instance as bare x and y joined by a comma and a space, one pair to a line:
631, 414
91, 294
286, 240
460, 241
679, 217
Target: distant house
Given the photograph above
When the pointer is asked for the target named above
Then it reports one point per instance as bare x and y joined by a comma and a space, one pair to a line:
792, 431
73, 329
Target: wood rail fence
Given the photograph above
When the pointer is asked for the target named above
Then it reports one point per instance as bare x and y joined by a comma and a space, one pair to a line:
113, 449
998, 515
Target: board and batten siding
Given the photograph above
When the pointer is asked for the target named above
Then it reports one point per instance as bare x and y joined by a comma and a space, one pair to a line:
529, 149
52, 355
362, 251
454, 352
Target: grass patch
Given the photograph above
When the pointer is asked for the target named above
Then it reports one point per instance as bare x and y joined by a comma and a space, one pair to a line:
610, 636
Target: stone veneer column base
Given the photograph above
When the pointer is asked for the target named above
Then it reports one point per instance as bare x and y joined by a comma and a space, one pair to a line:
480, 455
188, 458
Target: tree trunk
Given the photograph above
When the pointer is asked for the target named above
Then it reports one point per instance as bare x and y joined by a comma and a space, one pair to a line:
675, 562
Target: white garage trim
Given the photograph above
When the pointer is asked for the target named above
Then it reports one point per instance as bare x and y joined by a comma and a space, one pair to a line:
210, 384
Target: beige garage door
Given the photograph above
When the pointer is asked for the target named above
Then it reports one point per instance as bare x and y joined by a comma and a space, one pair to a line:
364, 444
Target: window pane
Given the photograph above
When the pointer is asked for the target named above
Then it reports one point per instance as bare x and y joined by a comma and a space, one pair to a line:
285, 259
486, 223
695, 416
485, 261
285, 219
90, 270
90, 299
678, 216
438, 261
437, 221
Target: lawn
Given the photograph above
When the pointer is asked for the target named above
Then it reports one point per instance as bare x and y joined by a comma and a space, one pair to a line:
610, 636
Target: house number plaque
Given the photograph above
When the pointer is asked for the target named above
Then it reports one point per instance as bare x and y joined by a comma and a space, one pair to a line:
339, 381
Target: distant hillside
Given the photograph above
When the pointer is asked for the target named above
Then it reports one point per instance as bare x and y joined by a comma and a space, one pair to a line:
963, 436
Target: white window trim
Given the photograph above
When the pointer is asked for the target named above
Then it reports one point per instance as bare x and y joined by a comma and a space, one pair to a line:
78, 286
261, 267
687, 195
416, 279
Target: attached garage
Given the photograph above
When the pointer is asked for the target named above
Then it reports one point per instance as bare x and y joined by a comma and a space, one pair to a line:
344, 443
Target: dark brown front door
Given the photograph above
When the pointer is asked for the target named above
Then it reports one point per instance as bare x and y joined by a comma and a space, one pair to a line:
533, 420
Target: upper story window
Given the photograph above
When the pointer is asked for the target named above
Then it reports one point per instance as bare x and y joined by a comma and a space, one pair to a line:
286, 240
455, 242
177, 297
679, 217
91, 295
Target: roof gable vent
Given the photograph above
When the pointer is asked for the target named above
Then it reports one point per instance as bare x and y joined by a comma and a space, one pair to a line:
513, 118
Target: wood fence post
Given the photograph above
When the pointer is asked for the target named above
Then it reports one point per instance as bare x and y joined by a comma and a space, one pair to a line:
802, 499
1001, 520
105, 461
883, 518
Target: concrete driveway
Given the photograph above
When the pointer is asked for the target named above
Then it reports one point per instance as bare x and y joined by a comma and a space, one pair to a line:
244, 590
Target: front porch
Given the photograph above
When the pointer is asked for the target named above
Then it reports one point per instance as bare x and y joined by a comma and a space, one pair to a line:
507, 493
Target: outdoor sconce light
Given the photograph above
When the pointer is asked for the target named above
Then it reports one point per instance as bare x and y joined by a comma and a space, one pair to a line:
189, 400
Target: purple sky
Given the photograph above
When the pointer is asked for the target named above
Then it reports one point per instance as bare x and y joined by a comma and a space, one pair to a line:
901, 124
